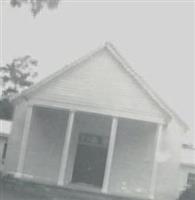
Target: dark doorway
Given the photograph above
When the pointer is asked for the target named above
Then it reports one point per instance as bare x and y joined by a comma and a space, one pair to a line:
90, 160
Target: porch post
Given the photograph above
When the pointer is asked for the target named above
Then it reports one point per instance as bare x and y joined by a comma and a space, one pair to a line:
155, 164
24, 142
110, 154
66, 147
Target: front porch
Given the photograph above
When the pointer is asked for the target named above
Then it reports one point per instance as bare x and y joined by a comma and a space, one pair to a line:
89, 152
20, 189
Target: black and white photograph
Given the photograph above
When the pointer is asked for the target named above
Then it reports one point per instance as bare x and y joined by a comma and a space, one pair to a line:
96, 100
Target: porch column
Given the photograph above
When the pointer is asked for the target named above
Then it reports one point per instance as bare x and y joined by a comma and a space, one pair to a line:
110, 154
24, 142
155, 164
66, 147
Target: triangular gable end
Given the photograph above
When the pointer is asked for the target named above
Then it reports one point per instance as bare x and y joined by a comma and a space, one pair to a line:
146, 100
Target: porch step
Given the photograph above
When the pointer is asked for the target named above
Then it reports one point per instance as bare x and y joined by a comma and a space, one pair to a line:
17, 189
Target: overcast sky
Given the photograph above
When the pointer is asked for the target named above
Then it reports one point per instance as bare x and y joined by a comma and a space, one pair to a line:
156, 38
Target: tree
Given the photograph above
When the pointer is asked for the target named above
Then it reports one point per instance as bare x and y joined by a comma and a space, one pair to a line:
16, 76
36, 5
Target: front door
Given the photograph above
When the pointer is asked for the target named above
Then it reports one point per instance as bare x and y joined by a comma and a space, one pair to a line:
90, 161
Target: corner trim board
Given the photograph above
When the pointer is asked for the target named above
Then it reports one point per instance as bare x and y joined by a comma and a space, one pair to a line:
24, 142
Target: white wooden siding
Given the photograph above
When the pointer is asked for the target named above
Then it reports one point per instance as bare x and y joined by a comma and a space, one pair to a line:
100, 81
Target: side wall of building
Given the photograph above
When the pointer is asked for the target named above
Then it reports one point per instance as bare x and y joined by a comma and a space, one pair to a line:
15, 138
169, 160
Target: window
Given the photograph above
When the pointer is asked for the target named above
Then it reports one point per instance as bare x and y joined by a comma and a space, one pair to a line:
191, 179
188, 146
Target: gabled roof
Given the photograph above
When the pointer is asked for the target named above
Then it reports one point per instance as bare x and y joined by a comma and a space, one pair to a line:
146, 88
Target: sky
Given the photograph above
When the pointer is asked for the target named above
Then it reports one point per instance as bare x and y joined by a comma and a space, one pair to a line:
156, 38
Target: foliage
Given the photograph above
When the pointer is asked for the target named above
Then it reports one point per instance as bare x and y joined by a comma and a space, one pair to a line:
18, 75
36, 5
